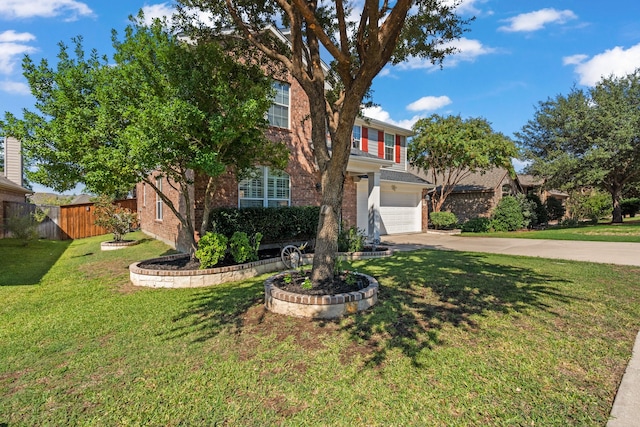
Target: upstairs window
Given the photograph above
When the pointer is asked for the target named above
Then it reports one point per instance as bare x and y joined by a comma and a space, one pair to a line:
356, 137
278, 114
266, 187
159, 204
389, 146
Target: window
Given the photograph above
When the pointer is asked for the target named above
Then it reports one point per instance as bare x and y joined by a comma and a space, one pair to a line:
278, 114
159, 200
264, 188
506, 190
356, 137
389, 146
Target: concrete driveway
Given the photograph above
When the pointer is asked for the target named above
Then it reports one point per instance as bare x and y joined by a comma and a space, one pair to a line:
601, 252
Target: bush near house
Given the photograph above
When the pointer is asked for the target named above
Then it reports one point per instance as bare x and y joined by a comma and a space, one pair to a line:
350, 239
555, 209
212, 248
115, 219
593, 205
282, 224
630, 206
443, 220
507, 215
542, 216
477, 225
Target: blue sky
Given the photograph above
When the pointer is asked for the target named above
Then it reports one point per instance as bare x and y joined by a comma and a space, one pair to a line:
514, 55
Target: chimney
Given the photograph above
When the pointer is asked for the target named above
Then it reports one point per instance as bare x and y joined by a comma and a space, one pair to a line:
13, 160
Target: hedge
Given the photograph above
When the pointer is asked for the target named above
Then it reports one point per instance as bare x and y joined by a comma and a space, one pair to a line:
277, 225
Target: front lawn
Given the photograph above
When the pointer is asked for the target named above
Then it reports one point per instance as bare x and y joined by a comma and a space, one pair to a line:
456, 339
625, 232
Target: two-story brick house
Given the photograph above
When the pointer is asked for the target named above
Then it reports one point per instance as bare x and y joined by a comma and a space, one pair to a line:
380, 195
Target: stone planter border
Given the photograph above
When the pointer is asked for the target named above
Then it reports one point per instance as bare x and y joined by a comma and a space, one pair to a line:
113, 245
214, 276
319, 306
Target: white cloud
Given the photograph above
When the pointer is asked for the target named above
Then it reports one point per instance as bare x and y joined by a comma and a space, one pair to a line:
617, 61
15, 88
160, 11
534, 21
12, 36
378, 113
10, 54
466, 7
43, 8
467, 50
429, 103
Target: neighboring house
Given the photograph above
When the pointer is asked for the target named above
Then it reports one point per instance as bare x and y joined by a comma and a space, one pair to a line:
11, 189
533, 185
477, 194
380, 195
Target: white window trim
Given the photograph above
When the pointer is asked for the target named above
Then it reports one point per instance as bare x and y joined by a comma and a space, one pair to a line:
159, 203
356, 142
393, 146
288, 106
265, 189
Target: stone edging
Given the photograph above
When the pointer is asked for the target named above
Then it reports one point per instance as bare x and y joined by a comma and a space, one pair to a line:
319, 306
213, 276
112, 246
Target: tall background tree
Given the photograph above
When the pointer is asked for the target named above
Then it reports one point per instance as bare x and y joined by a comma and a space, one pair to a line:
448, 149
588, 138
361, 37
164, 107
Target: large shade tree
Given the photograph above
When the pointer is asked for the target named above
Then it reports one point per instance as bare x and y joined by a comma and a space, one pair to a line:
588, 138
164, 107
449, 149
361, 37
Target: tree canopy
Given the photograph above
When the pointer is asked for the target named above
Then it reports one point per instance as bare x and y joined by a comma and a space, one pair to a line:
448, 149
588, 138
165, 107
361, 37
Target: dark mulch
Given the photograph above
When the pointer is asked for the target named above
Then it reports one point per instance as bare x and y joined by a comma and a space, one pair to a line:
339, 284
186, 263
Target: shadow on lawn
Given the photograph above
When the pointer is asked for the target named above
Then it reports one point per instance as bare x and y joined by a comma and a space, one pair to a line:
27, 265
421, 293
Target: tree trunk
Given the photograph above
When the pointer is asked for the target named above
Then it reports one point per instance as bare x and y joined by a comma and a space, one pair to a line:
617, 209
326, 248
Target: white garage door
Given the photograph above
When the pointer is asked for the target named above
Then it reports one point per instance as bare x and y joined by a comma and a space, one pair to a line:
400, 212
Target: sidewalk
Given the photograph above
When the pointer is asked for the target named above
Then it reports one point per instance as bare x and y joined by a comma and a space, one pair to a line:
626, 406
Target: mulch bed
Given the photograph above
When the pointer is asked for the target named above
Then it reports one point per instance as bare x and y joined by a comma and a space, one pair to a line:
337, 285
186, 263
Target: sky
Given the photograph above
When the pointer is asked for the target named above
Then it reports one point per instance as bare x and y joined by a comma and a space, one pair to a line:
514, 54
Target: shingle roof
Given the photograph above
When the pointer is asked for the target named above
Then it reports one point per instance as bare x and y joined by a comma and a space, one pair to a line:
12, 186
530, 180
397, 176
487, 181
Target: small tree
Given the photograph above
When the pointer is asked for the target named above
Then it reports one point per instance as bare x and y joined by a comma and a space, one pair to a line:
23, 223
448, 149
115, 219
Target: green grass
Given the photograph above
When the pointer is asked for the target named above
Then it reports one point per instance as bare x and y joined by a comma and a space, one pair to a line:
457, 339
625, 232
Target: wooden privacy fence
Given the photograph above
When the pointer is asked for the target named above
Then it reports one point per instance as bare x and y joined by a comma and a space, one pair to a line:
65, 222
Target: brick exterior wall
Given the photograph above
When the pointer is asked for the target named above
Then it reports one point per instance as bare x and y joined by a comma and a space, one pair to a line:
470, 205
302, 169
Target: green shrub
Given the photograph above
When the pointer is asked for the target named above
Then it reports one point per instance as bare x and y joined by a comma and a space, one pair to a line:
477, 225
23, 222
542, 216
281, 224
242, 249
507, 216
555, 209
444, 220
528, 208
350, 239
211, 249
630, 206
569, 223
592, 205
